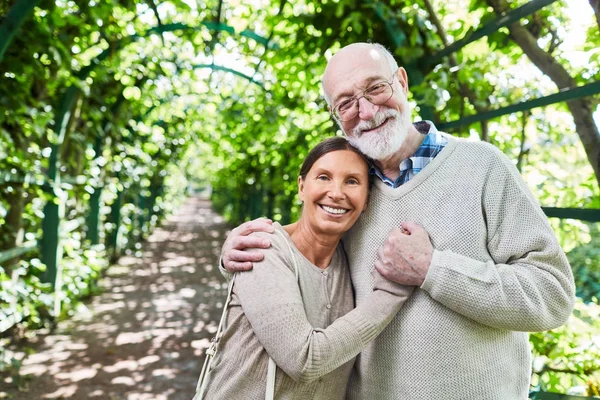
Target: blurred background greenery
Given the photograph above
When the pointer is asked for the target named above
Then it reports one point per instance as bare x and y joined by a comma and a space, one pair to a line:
111, 112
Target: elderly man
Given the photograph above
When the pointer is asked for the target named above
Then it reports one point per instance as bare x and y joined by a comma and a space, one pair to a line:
453, 218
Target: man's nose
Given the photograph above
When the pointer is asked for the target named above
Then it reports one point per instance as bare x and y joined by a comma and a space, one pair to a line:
366, 109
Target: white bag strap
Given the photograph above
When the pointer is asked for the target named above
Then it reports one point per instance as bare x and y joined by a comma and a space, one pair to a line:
270, 393
214, 346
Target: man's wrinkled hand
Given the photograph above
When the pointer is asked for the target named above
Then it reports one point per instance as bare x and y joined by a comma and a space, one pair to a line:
235, 255
405, 255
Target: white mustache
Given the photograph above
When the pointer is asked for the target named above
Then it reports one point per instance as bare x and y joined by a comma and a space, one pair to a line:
377, 120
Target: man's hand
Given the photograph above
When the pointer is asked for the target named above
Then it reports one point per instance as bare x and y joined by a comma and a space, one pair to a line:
405, 255
234, 255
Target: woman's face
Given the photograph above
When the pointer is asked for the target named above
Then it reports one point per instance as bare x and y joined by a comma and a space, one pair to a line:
334, 192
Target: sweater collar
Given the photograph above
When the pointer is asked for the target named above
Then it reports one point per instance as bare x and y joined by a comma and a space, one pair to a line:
432, 144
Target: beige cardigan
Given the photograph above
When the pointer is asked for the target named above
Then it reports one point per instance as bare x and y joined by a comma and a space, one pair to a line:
309, 327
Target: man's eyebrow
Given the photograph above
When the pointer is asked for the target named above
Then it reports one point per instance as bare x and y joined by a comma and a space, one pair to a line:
366, 83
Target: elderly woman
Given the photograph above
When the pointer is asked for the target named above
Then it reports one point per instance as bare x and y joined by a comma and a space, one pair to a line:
297, 305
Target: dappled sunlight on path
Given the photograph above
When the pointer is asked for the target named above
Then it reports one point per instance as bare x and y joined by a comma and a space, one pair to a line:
144, 337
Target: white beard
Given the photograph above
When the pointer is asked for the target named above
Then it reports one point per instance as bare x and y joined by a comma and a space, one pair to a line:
388, 140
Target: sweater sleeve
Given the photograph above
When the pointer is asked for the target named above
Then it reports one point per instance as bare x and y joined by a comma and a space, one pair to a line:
226, 274
272, 302
527, 285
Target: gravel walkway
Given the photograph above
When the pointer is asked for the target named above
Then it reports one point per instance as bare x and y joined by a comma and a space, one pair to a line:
144, 337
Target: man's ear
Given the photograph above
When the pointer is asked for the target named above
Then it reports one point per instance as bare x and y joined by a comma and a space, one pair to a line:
301, 188
403, 79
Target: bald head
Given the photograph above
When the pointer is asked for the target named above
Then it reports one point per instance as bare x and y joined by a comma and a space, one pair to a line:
356, 58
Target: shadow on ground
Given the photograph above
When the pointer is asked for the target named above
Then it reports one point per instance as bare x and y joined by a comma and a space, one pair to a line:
145, 336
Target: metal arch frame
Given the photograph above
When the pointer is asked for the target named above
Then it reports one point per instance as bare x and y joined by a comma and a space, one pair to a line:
115, 46
22, 9
211, 25
163, 101
415, 70
67, 100
13, 20
52, 211
217, 67
491, 27
166, 100
562, 96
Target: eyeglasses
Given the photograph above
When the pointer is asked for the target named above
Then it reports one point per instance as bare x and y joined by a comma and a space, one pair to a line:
377, 94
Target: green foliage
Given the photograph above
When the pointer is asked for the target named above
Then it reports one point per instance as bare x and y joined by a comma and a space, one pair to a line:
568, 358
153, 112
586, 268
23, 295
106, 148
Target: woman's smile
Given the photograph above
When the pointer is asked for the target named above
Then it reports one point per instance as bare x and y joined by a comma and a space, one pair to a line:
334, 210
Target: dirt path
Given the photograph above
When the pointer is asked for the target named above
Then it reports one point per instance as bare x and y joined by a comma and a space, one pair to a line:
144, 337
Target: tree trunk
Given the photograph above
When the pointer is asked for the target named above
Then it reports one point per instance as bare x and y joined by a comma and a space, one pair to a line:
522, 152
581, 109
596, 7
464, 88
10, 232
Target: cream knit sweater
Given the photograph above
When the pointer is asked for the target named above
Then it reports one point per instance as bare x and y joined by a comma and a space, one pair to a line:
497, 272
308, 327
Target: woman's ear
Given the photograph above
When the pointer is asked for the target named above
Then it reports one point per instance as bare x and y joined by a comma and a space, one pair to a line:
368, 198
301, 188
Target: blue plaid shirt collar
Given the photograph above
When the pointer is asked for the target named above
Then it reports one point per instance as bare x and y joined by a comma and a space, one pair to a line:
433, 143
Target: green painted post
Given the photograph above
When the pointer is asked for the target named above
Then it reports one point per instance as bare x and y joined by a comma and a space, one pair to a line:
93, 219
112, 239
154, 190
159, 192
53, 212
13, 20
270, 203
256, 202
54, 209
141, 213
51, 249
115, 217
286, 210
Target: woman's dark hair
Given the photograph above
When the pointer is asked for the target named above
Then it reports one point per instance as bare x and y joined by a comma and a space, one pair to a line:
327, 146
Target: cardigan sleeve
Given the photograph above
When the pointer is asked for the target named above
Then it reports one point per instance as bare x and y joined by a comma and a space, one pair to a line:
527, 285
272, 302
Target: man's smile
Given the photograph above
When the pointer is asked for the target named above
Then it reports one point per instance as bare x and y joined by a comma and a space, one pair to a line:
385, 121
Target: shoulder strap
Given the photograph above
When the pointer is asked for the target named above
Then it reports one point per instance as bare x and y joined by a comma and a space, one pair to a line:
291, 254
214, 346
270, 393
